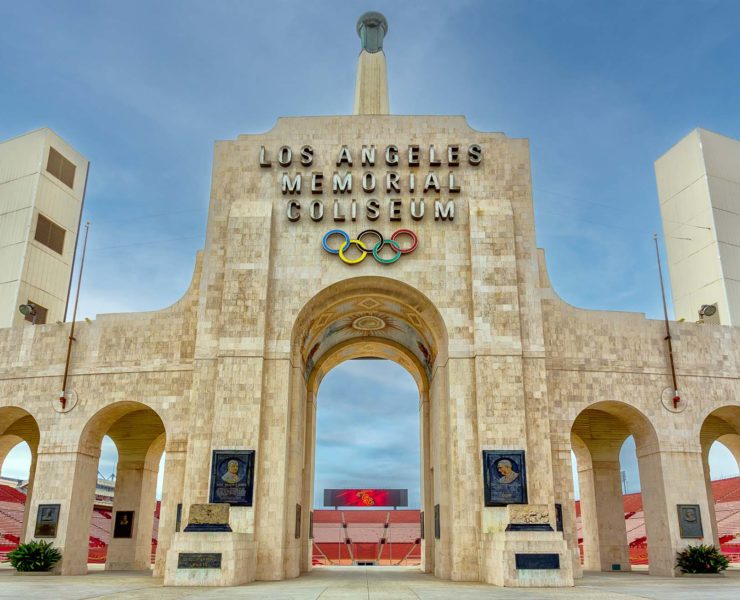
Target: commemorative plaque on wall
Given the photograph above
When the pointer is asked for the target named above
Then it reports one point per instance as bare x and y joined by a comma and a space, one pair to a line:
689, 521
124, 524
297, 521
504, 477
437, 526
47, 519
232, 477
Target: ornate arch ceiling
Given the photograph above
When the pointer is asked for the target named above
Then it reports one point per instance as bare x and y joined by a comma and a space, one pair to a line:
372, 318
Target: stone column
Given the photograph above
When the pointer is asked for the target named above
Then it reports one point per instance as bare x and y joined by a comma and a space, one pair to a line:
668, 478
29, 494
441, 464
309, 440
136, 486
172, 492
602, 516
565, 495
427, 485
712, 528
466, 491
271, 502
68, 479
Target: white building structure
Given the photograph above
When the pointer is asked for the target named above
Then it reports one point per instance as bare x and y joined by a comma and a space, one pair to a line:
42, 189
699, 192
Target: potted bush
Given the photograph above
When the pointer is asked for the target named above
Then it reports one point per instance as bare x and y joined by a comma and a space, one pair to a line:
702, 559
34, 557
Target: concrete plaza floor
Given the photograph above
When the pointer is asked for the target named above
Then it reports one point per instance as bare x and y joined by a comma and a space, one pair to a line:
366, 583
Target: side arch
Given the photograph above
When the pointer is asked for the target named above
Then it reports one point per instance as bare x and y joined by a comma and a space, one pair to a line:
17, 425
139, 434
719, 425
597, 435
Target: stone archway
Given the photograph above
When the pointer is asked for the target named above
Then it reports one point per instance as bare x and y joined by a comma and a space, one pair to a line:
597, 436
18, 426
139, 435
379, 318
721, 425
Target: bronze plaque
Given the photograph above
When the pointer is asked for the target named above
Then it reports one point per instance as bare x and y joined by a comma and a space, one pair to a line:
297, 521
689, 521
123, 525
232, 477
199, 560
437, 526
47, 519
504, 477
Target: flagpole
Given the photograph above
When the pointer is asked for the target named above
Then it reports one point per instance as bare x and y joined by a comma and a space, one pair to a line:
63, 395
676, 397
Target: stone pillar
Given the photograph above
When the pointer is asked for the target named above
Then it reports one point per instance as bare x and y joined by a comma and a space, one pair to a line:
29, 494
172, 492
427, 485
309, 437
466, 491
668, 478
136, 486
565, 495
439, 428
198, 457
271, 502
712, 525
296, 447
68, 479
602, 516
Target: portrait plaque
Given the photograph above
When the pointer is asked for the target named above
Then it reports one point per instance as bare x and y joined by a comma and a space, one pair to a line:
504, 477
47, 519
689, 521
297, 521
124, 524
232, 477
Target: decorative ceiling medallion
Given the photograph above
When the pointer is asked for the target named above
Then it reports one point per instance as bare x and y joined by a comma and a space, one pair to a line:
368, 323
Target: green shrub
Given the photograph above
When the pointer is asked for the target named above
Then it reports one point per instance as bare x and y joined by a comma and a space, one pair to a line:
701, 559
34, 556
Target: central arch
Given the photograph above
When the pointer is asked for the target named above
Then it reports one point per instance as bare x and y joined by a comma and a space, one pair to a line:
374, 317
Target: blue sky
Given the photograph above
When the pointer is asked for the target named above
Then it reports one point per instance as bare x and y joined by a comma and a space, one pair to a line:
600, 88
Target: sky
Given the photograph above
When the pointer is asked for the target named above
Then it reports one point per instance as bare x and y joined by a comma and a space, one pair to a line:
600, 88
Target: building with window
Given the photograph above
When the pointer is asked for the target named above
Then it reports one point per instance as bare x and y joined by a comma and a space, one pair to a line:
699, 192
42, 189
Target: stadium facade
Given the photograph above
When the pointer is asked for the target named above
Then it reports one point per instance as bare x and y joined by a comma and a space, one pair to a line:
409, 238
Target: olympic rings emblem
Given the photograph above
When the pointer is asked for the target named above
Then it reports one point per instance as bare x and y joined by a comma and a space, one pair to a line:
367, 247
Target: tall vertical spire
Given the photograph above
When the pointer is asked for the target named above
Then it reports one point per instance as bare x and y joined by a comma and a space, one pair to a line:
371, 87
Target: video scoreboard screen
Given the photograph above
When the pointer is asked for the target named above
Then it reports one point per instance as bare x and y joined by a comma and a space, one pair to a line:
366, 497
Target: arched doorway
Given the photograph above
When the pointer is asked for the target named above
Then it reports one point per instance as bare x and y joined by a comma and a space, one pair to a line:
597, 437
18, 426
721, 425
367, 438
371, 317
139, 436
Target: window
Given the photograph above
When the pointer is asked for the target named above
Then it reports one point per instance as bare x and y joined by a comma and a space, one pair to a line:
49, 234
40, 317
61, 168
